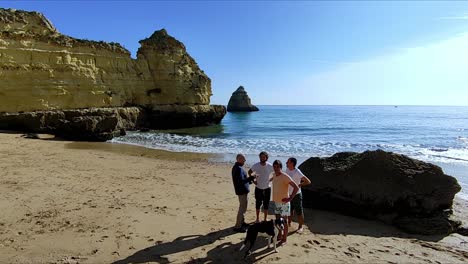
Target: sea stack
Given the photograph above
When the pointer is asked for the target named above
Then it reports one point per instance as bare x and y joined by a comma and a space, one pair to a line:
240, 102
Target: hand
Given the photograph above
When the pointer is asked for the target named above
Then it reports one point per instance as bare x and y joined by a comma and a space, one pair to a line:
286, 200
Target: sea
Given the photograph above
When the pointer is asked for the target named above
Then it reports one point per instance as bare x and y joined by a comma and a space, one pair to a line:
435, 134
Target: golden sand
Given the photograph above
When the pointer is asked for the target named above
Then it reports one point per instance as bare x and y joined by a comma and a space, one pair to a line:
68, 202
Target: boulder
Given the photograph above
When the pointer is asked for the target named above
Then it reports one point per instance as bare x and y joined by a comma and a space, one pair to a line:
411, 194
240, 102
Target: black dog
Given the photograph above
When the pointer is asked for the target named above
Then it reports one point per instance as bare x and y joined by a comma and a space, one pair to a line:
271, 228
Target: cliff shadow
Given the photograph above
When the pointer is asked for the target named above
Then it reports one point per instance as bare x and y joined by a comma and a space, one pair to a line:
332, 223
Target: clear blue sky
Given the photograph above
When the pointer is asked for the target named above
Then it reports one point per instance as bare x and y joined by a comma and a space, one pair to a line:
293, 52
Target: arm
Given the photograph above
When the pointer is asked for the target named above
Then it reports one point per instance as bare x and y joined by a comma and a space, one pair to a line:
238, 178
304, 181
252, 176
296, 189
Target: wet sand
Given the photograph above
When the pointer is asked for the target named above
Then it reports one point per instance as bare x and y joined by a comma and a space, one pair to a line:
69, 202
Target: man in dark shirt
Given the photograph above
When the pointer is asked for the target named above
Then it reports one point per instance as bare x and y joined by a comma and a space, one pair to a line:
242, 188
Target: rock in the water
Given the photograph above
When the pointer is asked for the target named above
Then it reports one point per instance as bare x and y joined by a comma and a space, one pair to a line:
383, 185
240, 102
44, 70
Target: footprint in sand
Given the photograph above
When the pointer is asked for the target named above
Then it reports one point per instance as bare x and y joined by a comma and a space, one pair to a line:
315, 241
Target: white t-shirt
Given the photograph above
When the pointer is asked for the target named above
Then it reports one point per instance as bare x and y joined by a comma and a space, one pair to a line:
263, 174
296, 175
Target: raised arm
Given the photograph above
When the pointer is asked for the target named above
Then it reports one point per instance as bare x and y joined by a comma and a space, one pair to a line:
304, 181
296, 189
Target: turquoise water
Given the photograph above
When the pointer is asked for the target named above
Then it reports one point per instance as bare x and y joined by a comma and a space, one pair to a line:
436, 134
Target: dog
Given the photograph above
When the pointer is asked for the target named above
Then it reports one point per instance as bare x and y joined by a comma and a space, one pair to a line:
270, 228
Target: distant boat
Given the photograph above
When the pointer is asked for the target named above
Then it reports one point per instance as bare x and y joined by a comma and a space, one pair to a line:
396, 106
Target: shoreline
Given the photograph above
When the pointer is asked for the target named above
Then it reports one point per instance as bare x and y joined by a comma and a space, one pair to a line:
452, 169
81, 202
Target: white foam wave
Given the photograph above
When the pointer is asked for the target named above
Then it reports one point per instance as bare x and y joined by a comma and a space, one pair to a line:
304, 147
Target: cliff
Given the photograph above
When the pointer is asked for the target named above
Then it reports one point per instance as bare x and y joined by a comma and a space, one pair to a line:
43, 70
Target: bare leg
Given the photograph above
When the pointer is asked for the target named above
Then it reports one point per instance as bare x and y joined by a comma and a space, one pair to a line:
300, 220
265, 213
280, 234
285, 233
257, 213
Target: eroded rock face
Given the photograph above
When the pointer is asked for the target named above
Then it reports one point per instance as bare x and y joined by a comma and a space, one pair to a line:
413, 195
240, 102
43, 70
93, 124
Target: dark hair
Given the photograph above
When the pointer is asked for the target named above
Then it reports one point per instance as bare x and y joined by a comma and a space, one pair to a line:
293, 160
239, 155
263, 153
278, 162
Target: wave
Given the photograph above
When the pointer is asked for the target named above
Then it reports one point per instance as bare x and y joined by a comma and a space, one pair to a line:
279, 146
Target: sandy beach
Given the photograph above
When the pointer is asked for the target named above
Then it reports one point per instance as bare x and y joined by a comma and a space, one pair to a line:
69, 202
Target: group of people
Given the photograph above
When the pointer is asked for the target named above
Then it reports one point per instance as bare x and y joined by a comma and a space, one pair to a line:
276, 191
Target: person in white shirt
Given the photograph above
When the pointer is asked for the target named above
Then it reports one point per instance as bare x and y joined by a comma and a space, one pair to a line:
262, 171
296, 204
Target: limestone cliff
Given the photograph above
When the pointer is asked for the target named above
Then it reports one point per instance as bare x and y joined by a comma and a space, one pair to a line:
43, 70
240, 102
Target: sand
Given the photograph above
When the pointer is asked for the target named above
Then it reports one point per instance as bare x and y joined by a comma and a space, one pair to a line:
68, 202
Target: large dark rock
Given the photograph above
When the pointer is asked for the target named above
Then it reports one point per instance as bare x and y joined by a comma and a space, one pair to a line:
240, 102
93, 124
396, 189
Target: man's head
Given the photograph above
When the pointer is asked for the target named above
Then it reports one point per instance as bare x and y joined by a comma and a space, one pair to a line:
291, 163
263, 156
277, 166
240, 158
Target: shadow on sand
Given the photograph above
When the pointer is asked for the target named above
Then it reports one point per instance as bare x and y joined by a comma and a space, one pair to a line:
331, 223
226, 252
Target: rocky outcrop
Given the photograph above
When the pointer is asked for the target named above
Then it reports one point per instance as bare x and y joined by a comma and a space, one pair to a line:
240, 102
43, 70
93, 124
101, 124
411, 194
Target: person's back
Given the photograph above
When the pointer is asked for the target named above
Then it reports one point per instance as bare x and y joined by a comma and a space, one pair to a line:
239, 177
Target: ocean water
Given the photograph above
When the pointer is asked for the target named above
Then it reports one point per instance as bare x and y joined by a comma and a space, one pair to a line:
436, 134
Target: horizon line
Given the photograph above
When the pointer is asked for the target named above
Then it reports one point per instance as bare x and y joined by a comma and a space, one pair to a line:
398, 105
